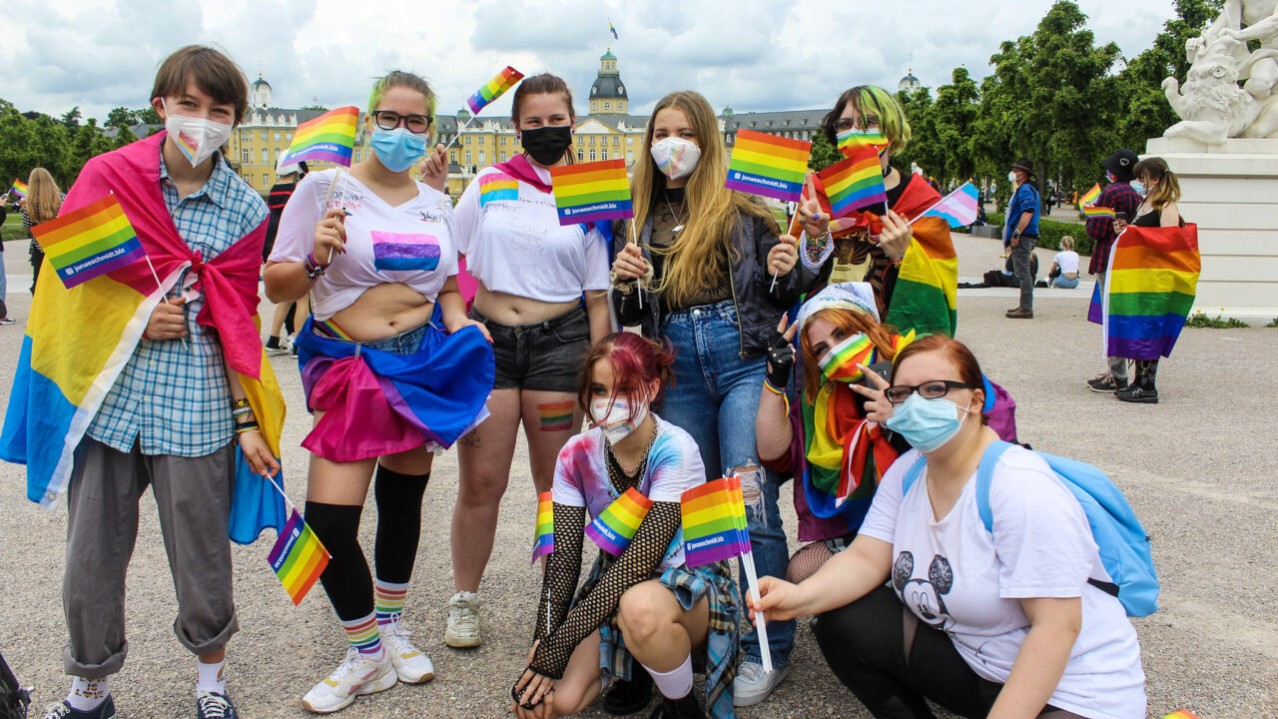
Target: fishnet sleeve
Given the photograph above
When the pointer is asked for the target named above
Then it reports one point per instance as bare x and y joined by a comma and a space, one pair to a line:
559, 581
633, 566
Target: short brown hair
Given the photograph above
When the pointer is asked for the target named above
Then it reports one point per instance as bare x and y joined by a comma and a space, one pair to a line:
543, 84
211, 70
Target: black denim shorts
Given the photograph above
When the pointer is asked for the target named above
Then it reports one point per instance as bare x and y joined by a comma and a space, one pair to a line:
540, 356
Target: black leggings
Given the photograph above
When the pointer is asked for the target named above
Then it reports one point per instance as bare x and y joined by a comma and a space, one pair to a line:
346, 579
893, 664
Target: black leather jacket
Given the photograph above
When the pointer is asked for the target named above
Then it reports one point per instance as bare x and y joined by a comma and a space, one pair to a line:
758, 308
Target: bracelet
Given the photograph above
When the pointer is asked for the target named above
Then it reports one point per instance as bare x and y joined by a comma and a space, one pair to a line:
241, 403
314, 270
241, 412
247, 427
780, 393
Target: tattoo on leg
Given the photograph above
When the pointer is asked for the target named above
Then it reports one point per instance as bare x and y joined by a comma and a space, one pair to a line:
556, 416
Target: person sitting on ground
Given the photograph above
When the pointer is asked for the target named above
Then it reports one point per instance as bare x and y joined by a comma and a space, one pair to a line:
1064, 272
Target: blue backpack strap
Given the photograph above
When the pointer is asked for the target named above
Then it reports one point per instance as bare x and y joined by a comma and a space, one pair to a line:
912, 474
984, 476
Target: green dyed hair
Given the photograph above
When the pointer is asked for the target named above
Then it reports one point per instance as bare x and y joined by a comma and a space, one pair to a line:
871, 100
399, 78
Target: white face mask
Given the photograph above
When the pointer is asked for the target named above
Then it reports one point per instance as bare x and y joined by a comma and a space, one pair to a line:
615, 421
675, 156
1011, 176
196, 137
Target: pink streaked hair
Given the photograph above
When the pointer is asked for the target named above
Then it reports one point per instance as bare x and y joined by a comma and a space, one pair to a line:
635, 361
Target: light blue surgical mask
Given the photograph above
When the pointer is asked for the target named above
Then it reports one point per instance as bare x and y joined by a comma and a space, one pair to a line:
927, 424
1138, 186
398, 149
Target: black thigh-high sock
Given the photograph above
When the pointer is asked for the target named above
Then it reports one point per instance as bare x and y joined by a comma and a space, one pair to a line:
346, 578
399, 523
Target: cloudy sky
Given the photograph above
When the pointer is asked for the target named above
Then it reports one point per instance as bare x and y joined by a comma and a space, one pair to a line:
750, 54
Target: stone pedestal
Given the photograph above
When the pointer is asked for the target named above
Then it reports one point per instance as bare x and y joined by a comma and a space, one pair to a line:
1231, 192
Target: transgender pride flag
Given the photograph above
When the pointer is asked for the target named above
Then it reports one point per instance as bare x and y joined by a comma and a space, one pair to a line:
405, 251
957, 208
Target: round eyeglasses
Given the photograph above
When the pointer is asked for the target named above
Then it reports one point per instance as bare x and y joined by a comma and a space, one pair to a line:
932, 389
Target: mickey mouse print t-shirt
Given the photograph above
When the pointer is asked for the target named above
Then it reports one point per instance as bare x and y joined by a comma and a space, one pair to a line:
959, 578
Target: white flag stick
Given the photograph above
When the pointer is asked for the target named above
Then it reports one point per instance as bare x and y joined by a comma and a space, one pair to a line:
760, 624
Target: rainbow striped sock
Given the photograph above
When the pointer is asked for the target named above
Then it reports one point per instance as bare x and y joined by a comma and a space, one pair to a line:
389, 599
364, 636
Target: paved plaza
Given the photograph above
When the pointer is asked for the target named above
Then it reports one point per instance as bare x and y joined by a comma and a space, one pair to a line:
1199, 468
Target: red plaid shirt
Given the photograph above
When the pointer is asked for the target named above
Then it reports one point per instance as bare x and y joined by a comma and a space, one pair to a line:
1120, 197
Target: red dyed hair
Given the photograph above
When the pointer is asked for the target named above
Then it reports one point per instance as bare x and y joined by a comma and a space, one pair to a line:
958, 354
635, 361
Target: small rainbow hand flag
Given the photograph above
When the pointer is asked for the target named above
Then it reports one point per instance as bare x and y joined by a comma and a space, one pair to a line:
19, 188
544, 535
613, 529
854, 183
1092, 212
298, 558
494, 89
1090, 196
327, 138
593, 192
90, 242
768, 165
852, 140
714, 522
959, 208
1181, 714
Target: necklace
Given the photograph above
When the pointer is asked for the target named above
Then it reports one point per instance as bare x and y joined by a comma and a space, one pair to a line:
679, 226
621, 479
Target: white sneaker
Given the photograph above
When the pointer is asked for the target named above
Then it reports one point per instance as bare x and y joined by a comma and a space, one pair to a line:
463, 621
356, 676
752, 686
411, 664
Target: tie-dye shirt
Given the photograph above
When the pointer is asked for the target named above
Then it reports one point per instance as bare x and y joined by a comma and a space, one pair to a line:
674, 466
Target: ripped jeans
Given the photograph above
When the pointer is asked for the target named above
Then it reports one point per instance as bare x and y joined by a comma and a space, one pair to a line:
715, 398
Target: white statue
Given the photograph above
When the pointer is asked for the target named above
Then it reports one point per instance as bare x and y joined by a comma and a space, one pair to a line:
1212, 106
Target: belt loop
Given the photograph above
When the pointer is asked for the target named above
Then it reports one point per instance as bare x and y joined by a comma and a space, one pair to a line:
358, 347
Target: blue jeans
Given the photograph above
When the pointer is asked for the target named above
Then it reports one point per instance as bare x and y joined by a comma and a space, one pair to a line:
1065, 283
715, 398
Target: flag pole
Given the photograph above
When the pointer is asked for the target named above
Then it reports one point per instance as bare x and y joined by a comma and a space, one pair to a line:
760, 623
460, 130
328, 196
795, 225
160, 285
638, 281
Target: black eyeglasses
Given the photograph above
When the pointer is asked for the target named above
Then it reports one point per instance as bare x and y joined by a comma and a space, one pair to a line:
845, 123
932, 389
389, 120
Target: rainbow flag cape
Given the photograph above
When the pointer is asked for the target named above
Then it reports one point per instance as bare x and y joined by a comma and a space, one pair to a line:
1090, 197
544, 534
1091, 212
854, 183
959, 208
613, 529
1151, 282
298, 558
593, 192
327, 138
852, 140
768, 165
714, 522
89, 242
1181, 714
494, 89
19, 188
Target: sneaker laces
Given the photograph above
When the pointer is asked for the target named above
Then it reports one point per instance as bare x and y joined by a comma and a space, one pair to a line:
398, 635
213, 706
346, 667
462, 615
751, 672
57, 711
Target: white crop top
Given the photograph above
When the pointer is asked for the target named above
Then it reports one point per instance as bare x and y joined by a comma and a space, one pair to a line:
509, 232
411, 243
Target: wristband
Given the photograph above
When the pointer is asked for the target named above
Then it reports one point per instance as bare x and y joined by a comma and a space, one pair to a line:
780, 393
246, 427
241, 403
314, 270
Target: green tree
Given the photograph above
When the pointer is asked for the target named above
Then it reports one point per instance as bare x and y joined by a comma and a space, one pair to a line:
89, 142
71, 120
148, 115
924, 147
823, 154
120, 117
954, 118
124, 136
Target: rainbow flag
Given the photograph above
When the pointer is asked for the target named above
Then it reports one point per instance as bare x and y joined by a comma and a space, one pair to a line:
852, 140
768, 165
840, 363
327, 138
405, 251
544, 535
1181, 714
593, 192
298, 558
613, 529
959, 208
556, 416
90, 242
1090, 197
613, 29
19, 188
1091, 212
498, 188
1151, 282
854, 183
714, 522
493, 89
925, 298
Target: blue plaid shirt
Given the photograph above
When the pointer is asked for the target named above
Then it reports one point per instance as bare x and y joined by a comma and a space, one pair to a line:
170, 399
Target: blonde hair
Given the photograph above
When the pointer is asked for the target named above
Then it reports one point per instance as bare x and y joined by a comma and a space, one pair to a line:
399, 78
44, 199
713, 210
1168, 190
1067, 243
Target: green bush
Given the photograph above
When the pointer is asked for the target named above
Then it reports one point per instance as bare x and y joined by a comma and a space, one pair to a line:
1200, 319
1050, 233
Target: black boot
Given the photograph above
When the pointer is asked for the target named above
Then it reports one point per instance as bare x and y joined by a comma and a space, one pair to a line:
685, 708
629, 697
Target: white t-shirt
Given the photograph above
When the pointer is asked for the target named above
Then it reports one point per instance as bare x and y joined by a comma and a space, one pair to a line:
411, 243
958, 577
509, 232
674, 466
1068, 261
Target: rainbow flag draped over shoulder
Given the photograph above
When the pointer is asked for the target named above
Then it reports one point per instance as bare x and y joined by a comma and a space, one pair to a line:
615, 527
327, 138
78, 340
1151, 282
768, 165
298, 557
714, 522
494, 89
20, 188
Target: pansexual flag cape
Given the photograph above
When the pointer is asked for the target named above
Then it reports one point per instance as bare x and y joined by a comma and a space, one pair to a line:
79, 339
298, 557
327, 138
615, 527
1151, 282
593, 192
768, 165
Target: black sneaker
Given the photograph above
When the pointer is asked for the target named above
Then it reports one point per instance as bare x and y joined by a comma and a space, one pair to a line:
63, 710
214, 706
685, 708
1106, 383
626, 698
1141, 395
7, 321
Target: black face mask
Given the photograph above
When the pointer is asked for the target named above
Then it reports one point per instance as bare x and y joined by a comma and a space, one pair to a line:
547, 145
